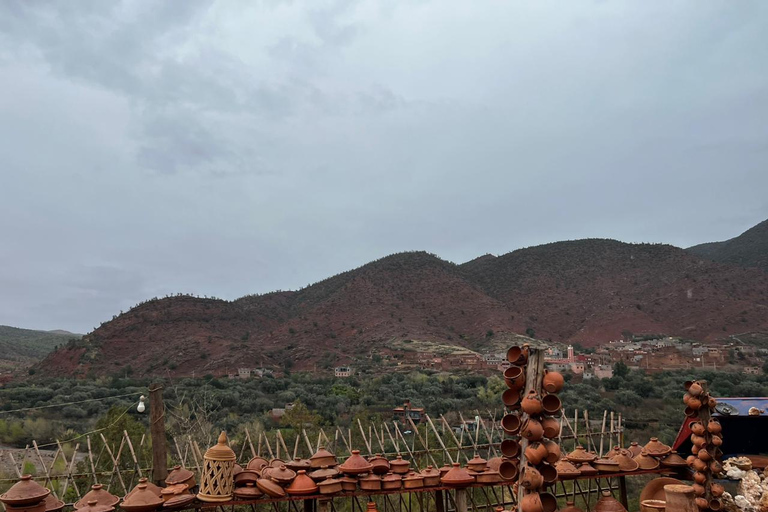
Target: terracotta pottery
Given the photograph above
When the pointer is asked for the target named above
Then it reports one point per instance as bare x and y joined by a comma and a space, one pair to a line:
255, 464
102, 497
626, 463
282, 475
717, 490
348, 483
695, 389
712, 403
413, 480
654, 505
566, 470
532, 430
531, 502
181, 475
686, 398
699, 478
432, 476
400, 466
270, 488
618, 450
489, 476
531, 479
379, 464
673, 460
570, 506
477, 464
92, 506
551, 404
518, 355
511, 424
508, 469
698, 440
715, 467
276, 463
654, 490
371, 507
298, 463
716, 440
371, 482
694, 403
535, 453
553, 451
152, 487
645, 461
656, 448
445, 468
580, 455
324, 472
52, 504
510, 448
246, 477
143, 500
248, 492
586, 469
695, 449
702, 503
548, 473
531, 403
714, 426
511, 398
699, 465
236, 469
25, 492
355, 464
179, 502
551, 427
698, 489
514, 377
634, 449
609, 504
37, 507
322, 458
457, 477
606, 466
691, 413
697, 428
172, 491
704, 455
391, 482
715, 504
553, 382
548, 502
494, 463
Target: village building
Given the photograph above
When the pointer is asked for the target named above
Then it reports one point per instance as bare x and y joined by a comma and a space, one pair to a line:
406, 412
342, 372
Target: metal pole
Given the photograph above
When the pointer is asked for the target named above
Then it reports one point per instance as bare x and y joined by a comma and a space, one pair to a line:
157, 432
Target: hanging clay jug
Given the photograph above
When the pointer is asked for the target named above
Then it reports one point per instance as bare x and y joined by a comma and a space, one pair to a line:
535, 453
715, 504
717, 490
694, 403
716, 440
531, 404
715, 467
548, 502
686, 398
553, 382
551, 404
514, 377
712, 403
531, 502
699, 478
510, 448
698, 489
531, 479
532, 430
511, 398
551, 427
695, 389
702, 503
508, 469
609, 504
511, 424
699, 465
553, 451
697, 428
548, 473
704, 455
698, 440
714, 426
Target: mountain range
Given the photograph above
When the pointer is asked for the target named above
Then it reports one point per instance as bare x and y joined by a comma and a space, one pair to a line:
586, 291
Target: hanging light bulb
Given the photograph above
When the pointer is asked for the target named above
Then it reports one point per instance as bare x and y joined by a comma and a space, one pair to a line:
141, 407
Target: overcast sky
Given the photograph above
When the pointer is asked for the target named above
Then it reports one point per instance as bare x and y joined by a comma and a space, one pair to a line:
227, 148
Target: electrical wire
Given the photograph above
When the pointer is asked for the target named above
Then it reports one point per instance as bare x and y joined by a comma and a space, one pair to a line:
65, 403
88, 433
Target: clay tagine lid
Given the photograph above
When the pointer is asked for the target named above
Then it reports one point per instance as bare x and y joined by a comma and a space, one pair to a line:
323, 473
625, 462
302, 485
618, 450
457, 477
220, 451
257, 464
52, 504
298, 463
25, 492
93, 506
477, 463
142, 500
634, 449
179, 502
580, 455
586, 469
276, 463
645, 461
673, 460
413, 476
444, 469
282, 475
609, 504
101, 496
270, 488
173, 490
356, 464
656, 448
178, 475
152, 487
430, 471
248, 492
566, 469
391, 477
399, 464
323, 456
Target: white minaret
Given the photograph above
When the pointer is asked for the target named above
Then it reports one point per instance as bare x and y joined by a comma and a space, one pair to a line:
570, 354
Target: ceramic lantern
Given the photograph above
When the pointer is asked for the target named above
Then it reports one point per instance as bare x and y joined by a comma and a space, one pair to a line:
217, 482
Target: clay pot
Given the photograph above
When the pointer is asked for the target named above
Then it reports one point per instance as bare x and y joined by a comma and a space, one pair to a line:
348, 483
510, 448
180, 502
282, 475
702, 503
52, 504
531, 479
686, 398
298, 463
699, 465
532, 430
302, 485
244, 477
551, 404
698, 489
566, 470
143, 500
673, 460
182, 475
656, 448
551, 427
400, 466
625, 462
25, 492
248, 492
379, 464
514, 377
678, 497
698, 440
548, 502
330, 486
152, 487
91, 506
698, 428
531, 502
322, 457
535, 453
586, 469
695, 389
413, 480
634, 449
324, 472
511, 398
488, 477
457, 477
570, 507
715, 467
531, 404
714, 426
609, 504
704, 455
276, 463
553, 382
694, 403
354, 465
715, 504
508, 469
548, 473
645, 461
391, 482
712, 403
511, 424
658, 505
372, 482
716, 440
580, 455
431, 476
477, 464
518, 355
717, 490
695, 449
606, 466
553, 451
255, 464
690, 413
102, 496
172, 491
699, 478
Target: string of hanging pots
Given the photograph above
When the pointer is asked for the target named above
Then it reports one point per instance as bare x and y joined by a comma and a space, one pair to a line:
706, 437
531, 429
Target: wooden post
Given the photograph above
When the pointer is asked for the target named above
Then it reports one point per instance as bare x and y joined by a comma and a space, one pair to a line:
157, 432
439, 505
461, 500
534, 374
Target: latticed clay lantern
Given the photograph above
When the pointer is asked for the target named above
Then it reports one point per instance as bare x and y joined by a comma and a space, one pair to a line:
217, 482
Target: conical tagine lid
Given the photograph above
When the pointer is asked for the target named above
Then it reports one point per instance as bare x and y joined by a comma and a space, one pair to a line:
221, 451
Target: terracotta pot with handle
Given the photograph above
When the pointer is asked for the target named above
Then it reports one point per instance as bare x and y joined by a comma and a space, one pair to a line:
551, 427
531, 502
532, 430
531, 479
531, 404
714, 426
535, 453
553, 382
514, 377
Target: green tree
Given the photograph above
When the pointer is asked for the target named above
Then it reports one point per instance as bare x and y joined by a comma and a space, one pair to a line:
620, 369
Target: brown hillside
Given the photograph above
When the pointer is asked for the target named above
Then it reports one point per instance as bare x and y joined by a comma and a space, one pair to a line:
750, 249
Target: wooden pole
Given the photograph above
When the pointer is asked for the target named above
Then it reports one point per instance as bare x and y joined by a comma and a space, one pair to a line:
157, 432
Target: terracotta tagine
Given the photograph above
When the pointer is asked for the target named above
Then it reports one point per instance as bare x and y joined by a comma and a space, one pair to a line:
626, 463
322, 458
531, 502
91, 506
413, 480
609, 504
488, 477
52, 504
400, 466
25, 492
634, 449
152, 487
606, 465
348, 483
531, 403
179, 502
324, 472
579, 455
379, 464
173, 490
276, 463
553, 382
570, 506
566, 470
330, 486
180, 475
477, 464
248, 492
645, 461
370, 482
391, 482
445, 468
270, 488
673, 460
256, 464
355, 464
457, 477
101, 496
586, 469
298, 463
282, 475
246, 477
551, 427
656, 448
37, 507
143, 500
431, 476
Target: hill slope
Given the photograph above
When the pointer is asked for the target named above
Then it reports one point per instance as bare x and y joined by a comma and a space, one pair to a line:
21, 348
750, 249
